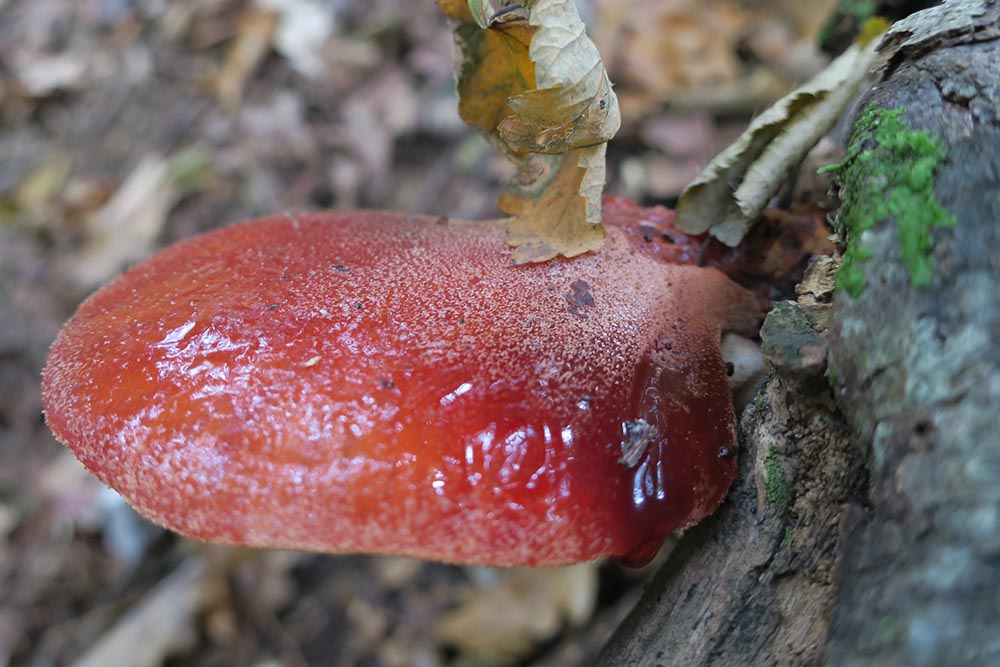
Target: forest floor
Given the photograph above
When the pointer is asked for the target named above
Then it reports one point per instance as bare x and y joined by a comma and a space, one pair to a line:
125, 126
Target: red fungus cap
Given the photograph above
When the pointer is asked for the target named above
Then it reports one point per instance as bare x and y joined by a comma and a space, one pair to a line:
375, 382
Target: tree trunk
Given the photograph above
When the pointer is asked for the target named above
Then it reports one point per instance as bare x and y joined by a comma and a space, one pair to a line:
869, 535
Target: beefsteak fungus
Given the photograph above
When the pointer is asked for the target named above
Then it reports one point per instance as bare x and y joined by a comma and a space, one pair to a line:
387, 383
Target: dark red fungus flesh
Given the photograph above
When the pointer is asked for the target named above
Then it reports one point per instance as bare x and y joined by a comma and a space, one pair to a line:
386, 383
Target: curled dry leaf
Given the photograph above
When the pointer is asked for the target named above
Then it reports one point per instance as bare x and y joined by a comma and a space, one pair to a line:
573, 105
456, 9
492, 67
161, 623
536, 87
302, 30
123, 230
255, 32
729, 194
506, 621
558, 206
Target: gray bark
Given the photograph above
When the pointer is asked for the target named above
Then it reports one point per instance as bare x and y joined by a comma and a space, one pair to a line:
920, 372
869, 534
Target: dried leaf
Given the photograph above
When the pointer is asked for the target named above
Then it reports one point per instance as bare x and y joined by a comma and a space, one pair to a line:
158, 625
537, 86
254, 32
573, 106
494, 67
550, 213
41, 186
730, 193
43, 75
304, 26
456, 9
124, 229
505, 621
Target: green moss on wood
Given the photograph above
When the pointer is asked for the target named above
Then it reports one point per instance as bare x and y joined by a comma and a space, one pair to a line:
786, 540
888, 172
778, 493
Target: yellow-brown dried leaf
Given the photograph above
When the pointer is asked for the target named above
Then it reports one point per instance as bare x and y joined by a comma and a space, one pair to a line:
573, 105
550, 211
533, 87
255, 35
494, 66
456, 9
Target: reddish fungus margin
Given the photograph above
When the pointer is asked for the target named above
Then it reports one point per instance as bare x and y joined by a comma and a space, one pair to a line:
374, 382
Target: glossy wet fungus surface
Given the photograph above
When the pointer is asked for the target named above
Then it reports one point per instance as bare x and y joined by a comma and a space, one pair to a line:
374, 382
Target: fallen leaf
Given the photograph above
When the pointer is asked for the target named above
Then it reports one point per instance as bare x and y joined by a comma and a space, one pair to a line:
658, 49
493, 66
517, 610
158, 625
45, 74
255, 31
124, 229
573, 105
730, 193
456, 9
536, 86
550, 213
41, 186
304, 26
73, 492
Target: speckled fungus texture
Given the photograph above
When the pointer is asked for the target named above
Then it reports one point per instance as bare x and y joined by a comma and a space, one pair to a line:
384, 383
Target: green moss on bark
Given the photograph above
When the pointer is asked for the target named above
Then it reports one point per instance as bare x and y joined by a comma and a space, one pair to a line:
778, 493
888, 172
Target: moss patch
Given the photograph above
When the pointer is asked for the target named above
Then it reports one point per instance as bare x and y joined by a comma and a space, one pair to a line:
786, 541
778, 493
888, 172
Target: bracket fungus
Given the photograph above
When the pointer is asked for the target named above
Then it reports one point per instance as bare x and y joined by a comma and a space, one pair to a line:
387, 383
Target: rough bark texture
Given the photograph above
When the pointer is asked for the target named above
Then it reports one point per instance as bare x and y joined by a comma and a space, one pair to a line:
881, 548
920, 379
